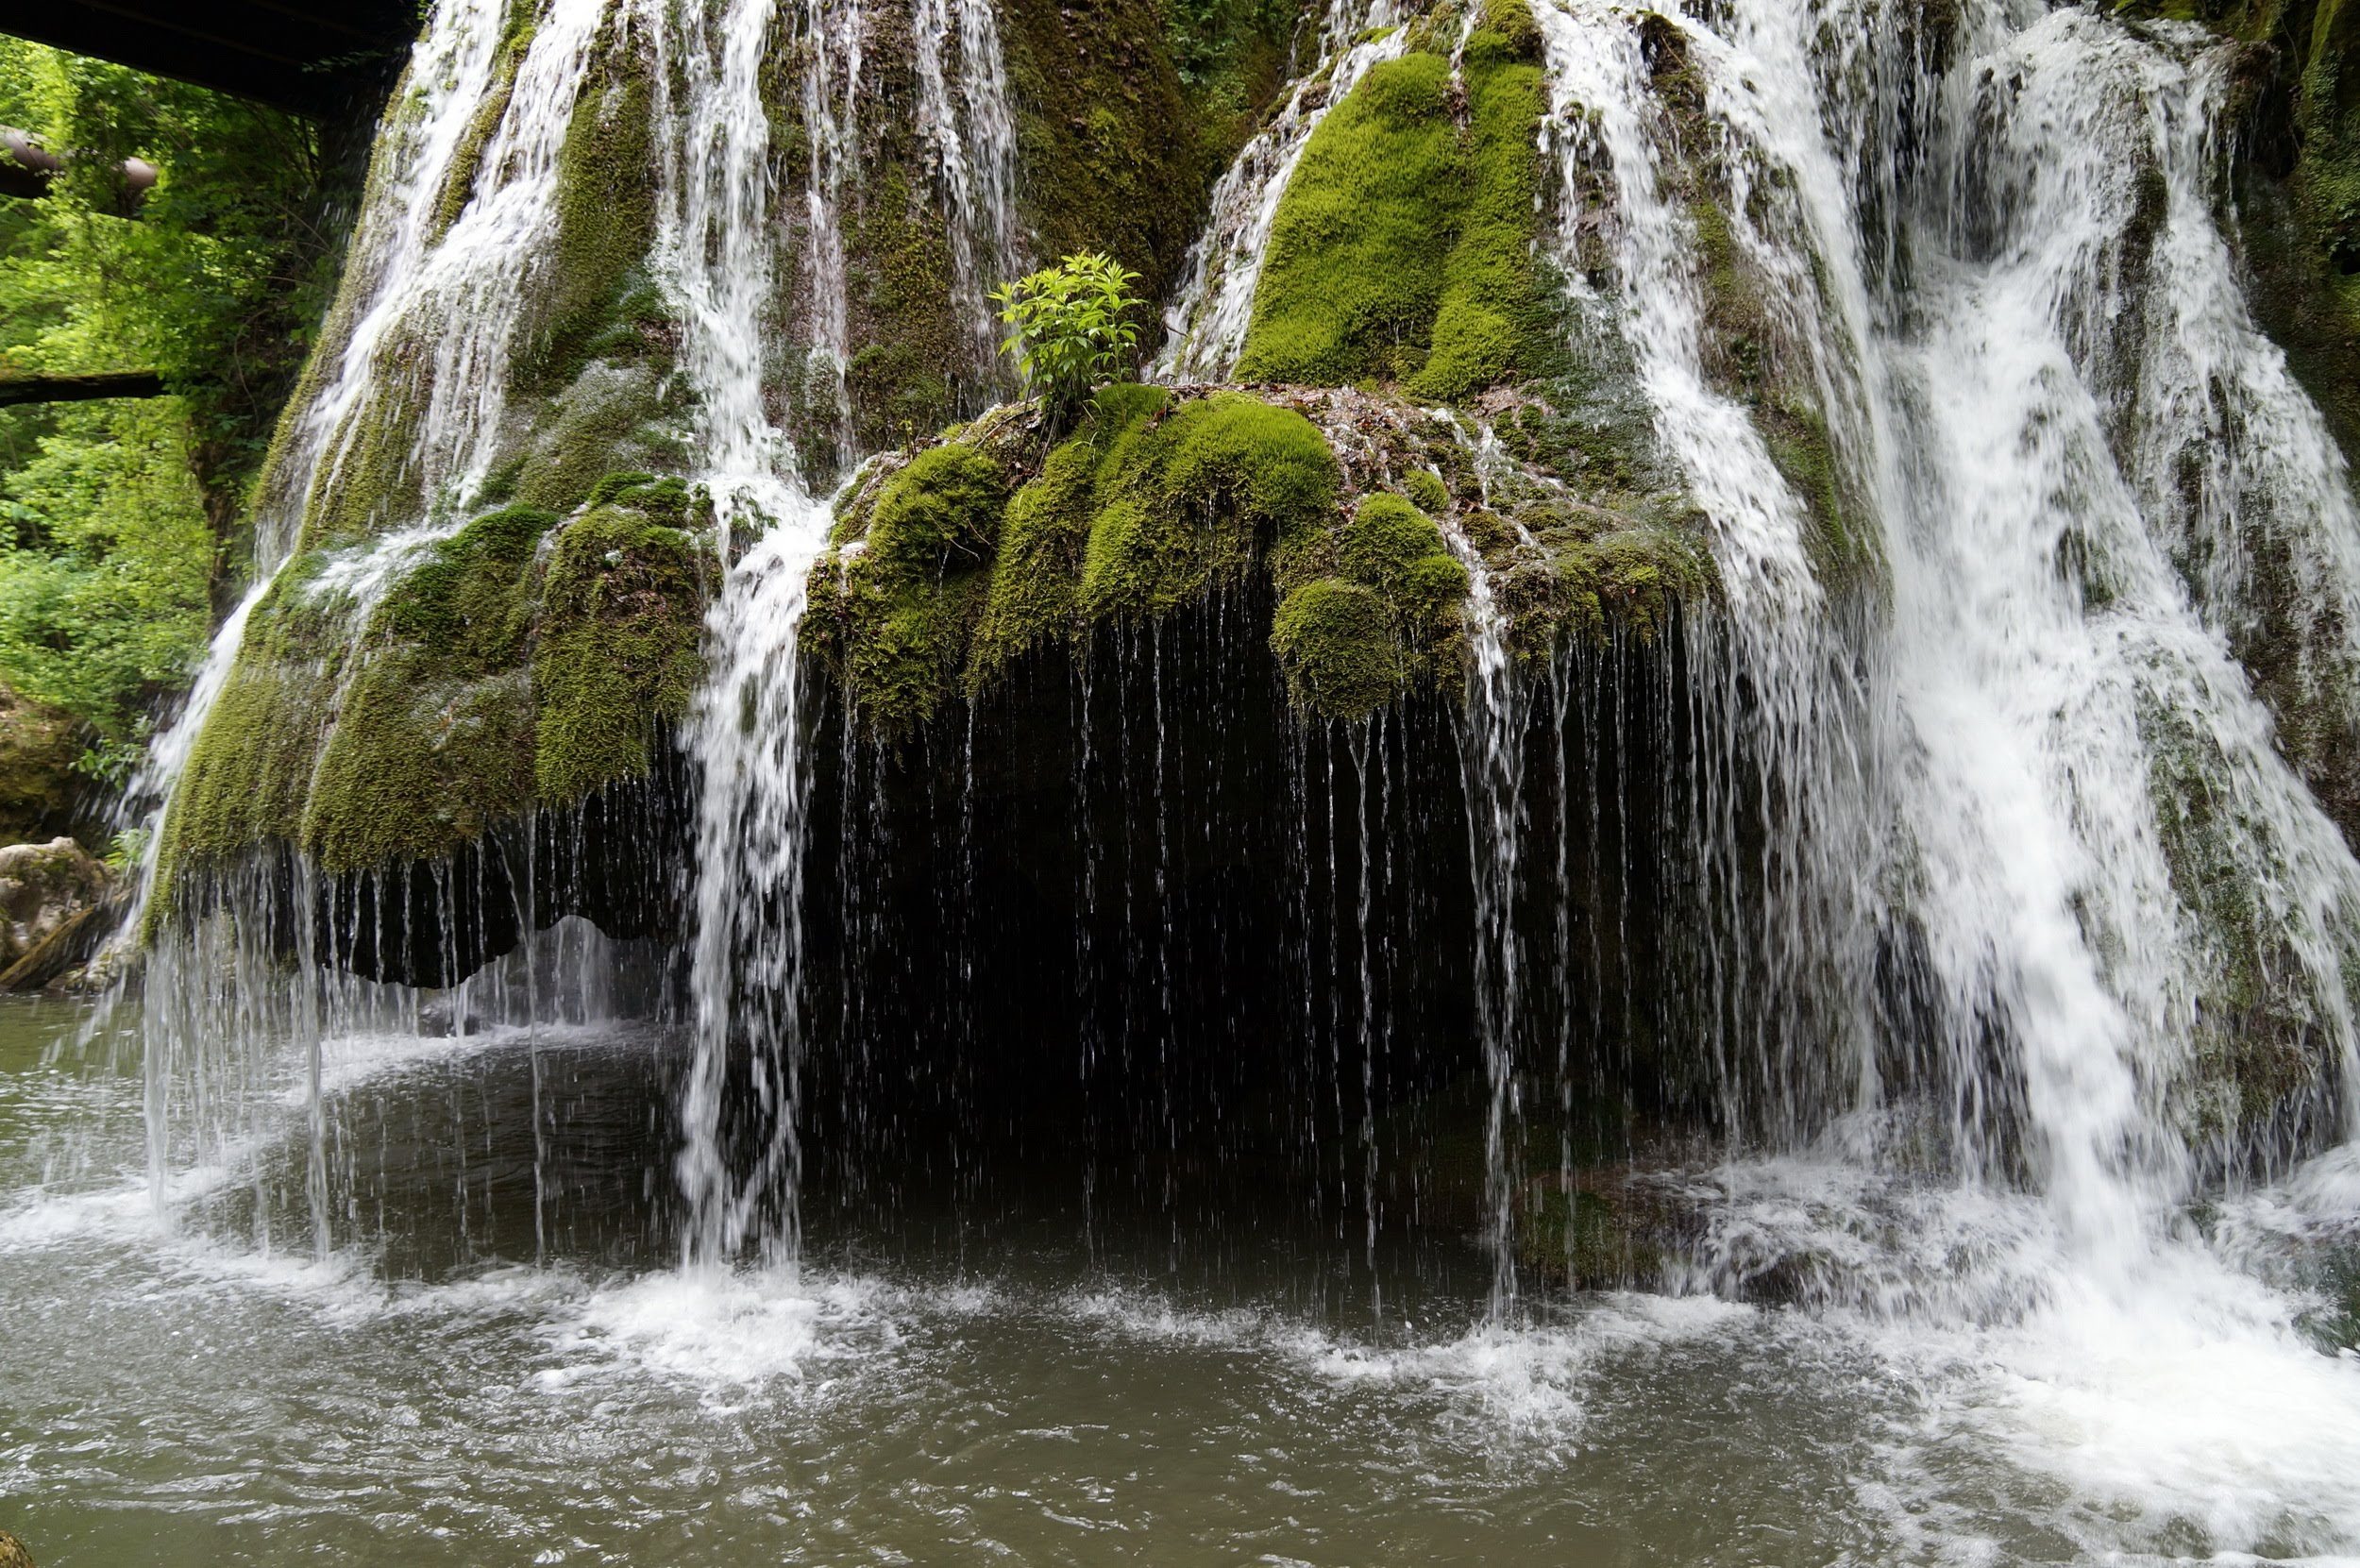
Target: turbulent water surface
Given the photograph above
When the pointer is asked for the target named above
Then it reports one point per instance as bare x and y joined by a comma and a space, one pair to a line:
961, 1381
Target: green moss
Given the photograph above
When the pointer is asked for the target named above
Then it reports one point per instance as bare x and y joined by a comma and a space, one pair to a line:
1136, 516
941, 513
609, 416
1510, 23
595, 303
1189, 500
1335, 641
617, 654
1117, 154
1490, 309
505, 664
1403, 246
467, 160
1353, 274
1636, 579
904, 377
1426, 491
897, 613
433, 735
369, 479
1386, 538
249, 769
1036, 579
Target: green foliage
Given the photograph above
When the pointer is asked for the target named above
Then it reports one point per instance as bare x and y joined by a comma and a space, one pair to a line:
219, 281
103, 578
1402, 247
1071, 326
126, 853
113, 516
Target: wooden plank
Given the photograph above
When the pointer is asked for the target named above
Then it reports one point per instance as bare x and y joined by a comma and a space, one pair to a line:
17, 390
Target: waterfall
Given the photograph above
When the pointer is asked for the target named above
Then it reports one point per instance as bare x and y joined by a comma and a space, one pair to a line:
1988, 771
719, 245
1491, 743
974, 141
419, 342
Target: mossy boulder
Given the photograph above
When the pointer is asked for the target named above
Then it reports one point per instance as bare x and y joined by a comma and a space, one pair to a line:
949, 565
522, 660
1350, 641
1403, 246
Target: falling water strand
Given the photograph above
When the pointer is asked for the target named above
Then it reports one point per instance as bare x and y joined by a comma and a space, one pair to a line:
720, 242
1492, 761
973, 131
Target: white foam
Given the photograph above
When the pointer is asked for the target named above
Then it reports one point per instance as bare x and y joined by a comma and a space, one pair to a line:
729, 1334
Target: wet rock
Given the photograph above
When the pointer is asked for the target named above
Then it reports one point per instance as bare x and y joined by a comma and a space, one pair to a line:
50, 897
12, 1552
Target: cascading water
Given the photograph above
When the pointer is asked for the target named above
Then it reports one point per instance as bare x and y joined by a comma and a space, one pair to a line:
973, 134
425, 329
722, 244
2026, 768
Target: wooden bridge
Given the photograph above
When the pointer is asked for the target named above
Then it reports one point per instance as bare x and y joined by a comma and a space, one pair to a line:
330, 61
319, 58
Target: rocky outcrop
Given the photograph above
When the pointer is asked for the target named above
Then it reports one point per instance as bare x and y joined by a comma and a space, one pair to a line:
40, 789
1359, 514
55, 909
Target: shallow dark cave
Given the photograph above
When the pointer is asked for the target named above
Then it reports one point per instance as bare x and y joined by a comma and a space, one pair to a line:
1123, 937
1126, 928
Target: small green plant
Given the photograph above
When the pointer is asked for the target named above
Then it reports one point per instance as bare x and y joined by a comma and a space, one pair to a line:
1070, 326
112, 762
128, 851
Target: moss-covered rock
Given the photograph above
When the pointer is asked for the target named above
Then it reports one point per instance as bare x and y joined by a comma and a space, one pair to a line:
521, 660
599, 301
1337, 646
616, 651
948, 565
1403, 248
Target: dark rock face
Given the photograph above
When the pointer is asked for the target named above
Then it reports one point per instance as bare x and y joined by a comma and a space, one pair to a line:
1130, 903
